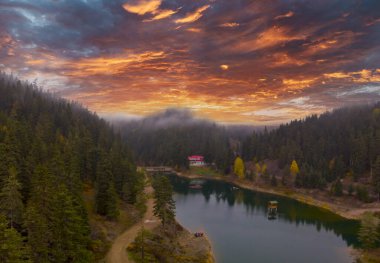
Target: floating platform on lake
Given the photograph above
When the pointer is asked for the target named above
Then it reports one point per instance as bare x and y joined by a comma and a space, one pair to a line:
272, 209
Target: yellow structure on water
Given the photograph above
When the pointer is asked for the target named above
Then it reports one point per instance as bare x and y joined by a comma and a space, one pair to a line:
272, 209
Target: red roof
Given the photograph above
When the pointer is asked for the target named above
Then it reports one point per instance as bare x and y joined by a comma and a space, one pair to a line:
195, 158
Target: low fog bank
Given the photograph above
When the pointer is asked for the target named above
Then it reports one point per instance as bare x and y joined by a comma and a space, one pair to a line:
180, 117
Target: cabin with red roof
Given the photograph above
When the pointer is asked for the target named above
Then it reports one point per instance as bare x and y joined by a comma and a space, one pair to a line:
196, 160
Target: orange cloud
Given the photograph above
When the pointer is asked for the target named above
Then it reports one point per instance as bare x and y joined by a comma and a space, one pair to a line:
298, 84
109, 65
233, 24
362, 76
192, 17
142, 7
331, 41
35, 62
271, 37
161, 14
194, 30
112, 65
283, 59
275, 35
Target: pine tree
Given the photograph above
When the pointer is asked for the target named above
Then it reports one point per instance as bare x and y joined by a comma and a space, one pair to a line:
359, 155
337, 188
69, 240
13, 249
376, 176
164, 205
106, 197
298, 181
273, 180
11, 200
39, 214
39, 233
112, 202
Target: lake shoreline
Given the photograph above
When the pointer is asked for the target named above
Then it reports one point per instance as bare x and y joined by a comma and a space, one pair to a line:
339, 209
203, 240
216, 200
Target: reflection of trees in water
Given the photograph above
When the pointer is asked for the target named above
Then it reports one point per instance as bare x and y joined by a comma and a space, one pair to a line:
289, 210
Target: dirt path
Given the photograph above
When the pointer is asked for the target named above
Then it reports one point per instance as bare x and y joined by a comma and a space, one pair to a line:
118, 252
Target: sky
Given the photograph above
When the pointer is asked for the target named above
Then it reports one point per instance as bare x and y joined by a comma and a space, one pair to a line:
233, 61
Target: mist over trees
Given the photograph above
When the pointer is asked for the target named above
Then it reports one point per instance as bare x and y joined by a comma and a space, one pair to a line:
169, 137
50, 148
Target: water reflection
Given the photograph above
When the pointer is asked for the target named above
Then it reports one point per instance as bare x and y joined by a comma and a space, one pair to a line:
289, 211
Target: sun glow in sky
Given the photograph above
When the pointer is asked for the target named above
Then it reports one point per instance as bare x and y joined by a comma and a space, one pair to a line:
240, 61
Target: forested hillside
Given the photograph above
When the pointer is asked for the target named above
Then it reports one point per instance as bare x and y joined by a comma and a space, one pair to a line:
168, 138
49, 148
337, 144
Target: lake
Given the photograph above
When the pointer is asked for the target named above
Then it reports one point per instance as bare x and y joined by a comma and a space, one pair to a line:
235, 220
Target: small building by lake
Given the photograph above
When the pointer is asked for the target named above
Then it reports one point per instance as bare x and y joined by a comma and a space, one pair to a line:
196, 160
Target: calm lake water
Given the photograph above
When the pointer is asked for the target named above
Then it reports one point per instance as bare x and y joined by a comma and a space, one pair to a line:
236, 222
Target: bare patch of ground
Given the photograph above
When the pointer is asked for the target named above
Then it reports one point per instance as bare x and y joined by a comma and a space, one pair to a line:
172, 244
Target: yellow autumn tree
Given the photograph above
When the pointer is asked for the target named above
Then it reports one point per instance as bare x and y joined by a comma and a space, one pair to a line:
258, 169
294, 170
239, 167
264, 168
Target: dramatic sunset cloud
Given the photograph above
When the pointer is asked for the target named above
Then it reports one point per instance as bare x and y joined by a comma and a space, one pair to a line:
231, 24
245, 61
194, 16
161, 14
141, 7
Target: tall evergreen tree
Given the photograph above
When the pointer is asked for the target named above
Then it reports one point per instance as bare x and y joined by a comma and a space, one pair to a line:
164, 205
376, 176
39, 234
11, 200
106, 198
13, 249
70, 238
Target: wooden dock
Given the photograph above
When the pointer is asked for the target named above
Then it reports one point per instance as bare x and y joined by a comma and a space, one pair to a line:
158, 169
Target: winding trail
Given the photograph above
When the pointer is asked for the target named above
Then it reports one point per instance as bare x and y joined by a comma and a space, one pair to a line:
118, 251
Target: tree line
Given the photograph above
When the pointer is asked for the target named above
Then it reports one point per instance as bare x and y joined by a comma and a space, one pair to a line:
344, 142
50, 148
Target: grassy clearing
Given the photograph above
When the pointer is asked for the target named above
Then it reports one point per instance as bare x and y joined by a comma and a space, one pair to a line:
204, 171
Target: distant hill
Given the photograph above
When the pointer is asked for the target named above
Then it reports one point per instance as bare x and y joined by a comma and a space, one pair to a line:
169, 137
